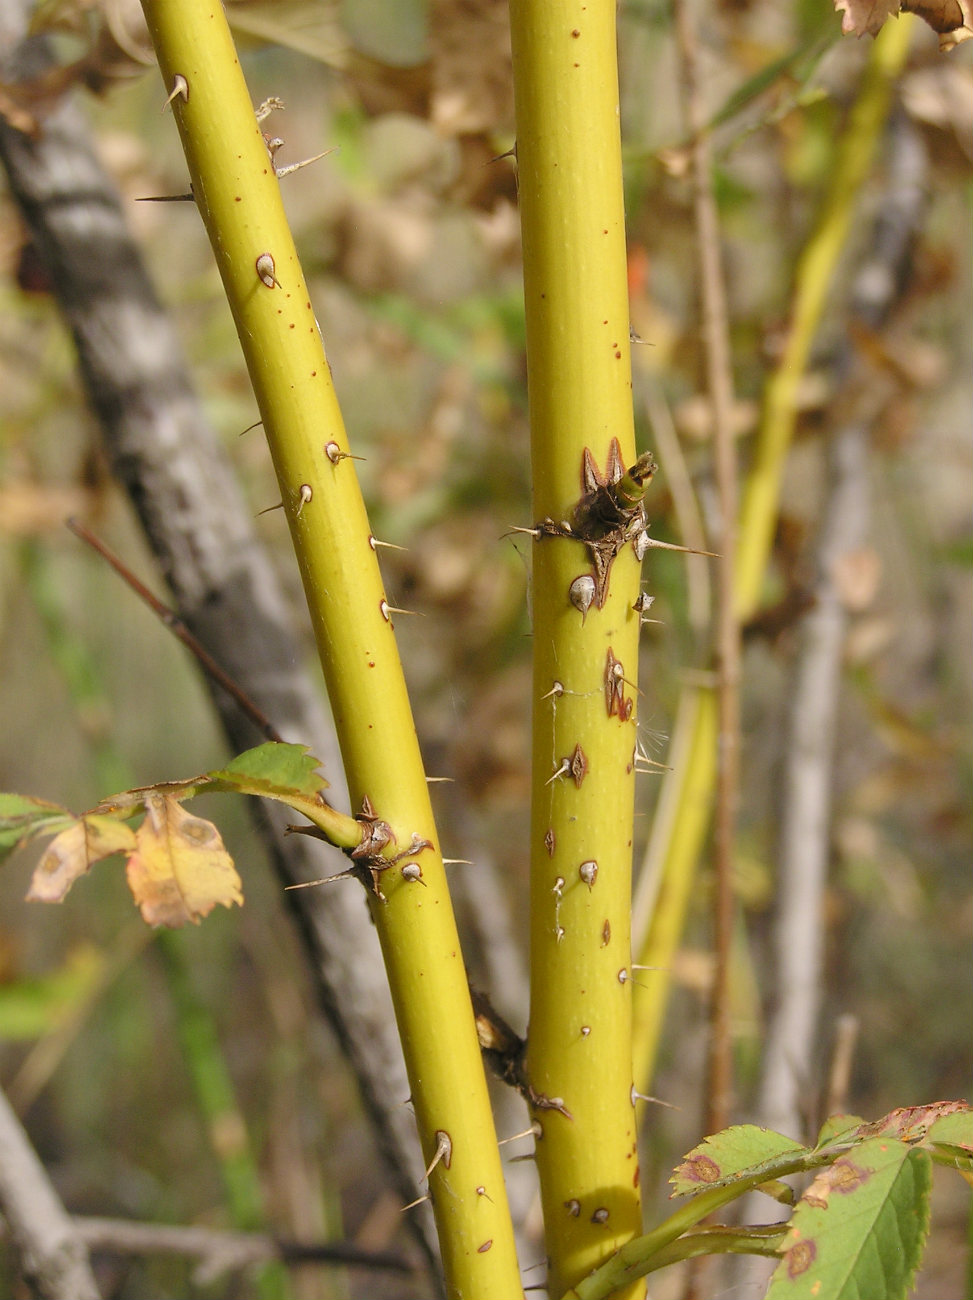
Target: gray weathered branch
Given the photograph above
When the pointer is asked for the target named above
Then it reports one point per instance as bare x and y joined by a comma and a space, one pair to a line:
53, 1256
218, 1251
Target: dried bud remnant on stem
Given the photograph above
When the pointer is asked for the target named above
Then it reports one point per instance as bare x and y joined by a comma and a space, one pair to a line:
578, 765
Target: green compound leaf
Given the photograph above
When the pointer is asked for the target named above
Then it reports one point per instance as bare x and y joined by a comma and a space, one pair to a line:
23, 819
274, 770
743, 1151
859, 1230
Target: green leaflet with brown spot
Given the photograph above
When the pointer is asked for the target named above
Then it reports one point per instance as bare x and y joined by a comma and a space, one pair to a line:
743, 1151
859, 1229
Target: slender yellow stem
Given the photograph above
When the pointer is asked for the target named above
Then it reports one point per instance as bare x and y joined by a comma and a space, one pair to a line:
689, 788
579, 382
681, 833
238, 197
859, 139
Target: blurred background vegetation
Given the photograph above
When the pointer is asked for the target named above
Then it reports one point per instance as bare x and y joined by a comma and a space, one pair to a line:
410, 241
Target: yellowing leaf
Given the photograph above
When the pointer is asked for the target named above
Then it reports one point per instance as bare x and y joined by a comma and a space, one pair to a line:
179, 869
74, 852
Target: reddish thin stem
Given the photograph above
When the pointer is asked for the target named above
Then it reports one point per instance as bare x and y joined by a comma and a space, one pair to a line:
170, 619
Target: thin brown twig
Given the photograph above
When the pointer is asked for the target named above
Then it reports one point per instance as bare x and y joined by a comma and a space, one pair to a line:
719, 381
170, 619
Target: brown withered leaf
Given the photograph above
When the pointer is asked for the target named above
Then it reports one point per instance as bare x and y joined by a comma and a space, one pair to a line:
952, 19
861, 16
179, 869
72, 853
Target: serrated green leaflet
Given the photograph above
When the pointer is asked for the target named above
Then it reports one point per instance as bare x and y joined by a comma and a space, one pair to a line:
273, 767
23, 818
954, 1130
859, 1229
287, 773
743, 1151
950, 1141
837, 1127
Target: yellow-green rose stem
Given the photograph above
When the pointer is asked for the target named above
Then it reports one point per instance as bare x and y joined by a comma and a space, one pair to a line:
758, 515
579, 382
238, 197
